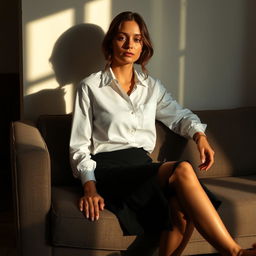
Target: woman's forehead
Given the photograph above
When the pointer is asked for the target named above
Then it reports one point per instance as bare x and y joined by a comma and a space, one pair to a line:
129, 27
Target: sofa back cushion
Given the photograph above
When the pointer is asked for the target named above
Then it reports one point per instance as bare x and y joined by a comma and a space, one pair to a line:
230, 132
232, 136
55, 130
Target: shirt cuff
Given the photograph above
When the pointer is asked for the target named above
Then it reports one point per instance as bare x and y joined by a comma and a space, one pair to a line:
197, 128
86, 176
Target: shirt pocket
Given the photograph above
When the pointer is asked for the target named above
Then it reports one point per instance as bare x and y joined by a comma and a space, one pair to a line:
147, 115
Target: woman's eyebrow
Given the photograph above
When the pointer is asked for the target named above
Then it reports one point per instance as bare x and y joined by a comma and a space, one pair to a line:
127, 34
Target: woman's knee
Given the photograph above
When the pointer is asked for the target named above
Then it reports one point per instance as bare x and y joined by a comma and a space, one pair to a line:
173, 171
184, 171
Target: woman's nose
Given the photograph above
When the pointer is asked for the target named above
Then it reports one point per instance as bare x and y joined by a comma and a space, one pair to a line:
129, 43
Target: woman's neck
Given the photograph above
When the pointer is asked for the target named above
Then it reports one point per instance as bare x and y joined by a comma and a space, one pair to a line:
123, 73
125, 77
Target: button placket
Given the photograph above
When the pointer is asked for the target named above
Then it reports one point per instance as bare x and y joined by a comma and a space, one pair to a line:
134, 122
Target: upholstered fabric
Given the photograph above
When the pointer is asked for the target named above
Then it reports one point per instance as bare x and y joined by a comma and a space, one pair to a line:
71, 228
231, 133
31, 188
56, 133
45, 193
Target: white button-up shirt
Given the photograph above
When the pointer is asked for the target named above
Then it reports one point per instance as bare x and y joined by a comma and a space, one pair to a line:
106, 119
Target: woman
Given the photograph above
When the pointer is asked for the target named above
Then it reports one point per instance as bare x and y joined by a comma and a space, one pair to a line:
113, 131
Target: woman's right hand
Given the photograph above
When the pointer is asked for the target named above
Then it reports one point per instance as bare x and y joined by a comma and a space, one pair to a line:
91, 203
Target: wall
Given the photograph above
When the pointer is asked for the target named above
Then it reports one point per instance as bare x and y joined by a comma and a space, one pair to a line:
203, 49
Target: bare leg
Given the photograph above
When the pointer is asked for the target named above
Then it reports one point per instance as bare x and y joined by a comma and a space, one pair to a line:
174, 242
197, 205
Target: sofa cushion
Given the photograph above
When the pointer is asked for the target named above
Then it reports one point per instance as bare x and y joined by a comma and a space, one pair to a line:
231, 133
55, 130
238, 208
70, 227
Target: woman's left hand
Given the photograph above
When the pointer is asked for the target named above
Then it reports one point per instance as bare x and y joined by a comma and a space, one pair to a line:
205, 150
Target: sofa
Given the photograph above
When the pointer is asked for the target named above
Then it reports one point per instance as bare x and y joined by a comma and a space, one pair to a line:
48, 222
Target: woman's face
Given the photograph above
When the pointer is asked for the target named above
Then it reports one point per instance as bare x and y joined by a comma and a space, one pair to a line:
127, 44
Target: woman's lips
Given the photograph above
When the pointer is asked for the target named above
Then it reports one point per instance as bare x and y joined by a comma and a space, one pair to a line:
128, 54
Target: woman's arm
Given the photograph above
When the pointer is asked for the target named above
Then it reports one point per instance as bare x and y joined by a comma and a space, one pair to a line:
80, 141
80, 156
185, 123
180, 120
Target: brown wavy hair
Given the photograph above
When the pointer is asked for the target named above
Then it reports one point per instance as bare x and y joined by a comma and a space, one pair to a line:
147, 49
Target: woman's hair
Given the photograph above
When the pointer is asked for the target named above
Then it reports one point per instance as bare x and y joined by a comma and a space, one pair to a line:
147, 49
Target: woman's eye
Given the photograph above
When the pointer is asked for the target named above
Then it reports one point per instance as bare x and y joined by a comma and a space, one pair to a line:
120, 38
137, 40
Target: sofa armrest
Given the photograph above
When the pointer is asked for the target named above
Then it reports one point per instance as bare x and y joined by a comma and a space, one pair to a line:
31, 188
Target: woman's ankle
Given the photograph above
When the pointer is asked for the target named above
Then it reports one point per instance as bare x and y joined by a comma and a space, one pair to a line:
233, 251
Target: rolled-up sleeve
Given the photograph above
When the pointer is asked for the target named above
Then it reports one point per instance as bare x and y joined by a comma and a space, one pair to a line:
180, 120
80, 141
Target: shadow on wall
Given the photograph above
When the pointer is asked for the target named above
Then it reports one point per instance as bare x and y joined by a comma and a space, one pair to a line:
76, 54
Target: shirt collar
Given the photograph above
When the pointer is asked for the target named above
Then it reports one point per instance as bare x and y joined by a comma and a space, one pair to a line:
108, 77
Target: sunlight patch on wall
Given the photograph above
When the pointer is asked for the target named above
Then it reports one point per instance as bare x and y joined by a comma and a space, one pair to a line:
181, 80
41, 35
98, 12
182, 48
47, 84
183, 24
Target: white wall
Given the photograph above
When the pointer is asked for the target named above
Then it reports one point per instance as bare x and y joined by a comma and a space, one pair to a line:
203, 49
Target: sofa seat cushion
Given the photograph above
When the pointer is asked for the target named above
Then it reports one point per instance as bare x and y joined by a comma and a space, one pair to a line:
70, 227
238, 208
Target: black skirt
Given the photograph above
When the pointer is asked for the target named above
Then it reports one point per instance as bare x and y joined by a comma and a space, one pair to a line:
127, 180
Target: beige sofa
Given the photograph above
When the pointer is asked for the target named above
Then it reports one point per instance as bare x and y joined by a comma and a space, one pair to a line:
45, 193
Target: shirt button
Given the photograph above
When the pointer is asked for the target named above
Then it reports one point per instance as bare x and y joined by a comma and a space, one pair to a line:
132, 112
132, 131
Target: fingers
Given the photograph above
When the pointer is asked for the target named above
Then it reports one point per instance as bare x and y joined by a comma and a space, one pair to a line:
208, 162
211, 158
202, 156
96, 209
91, 209
207, 159
101, 204
84, 207
91, 206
